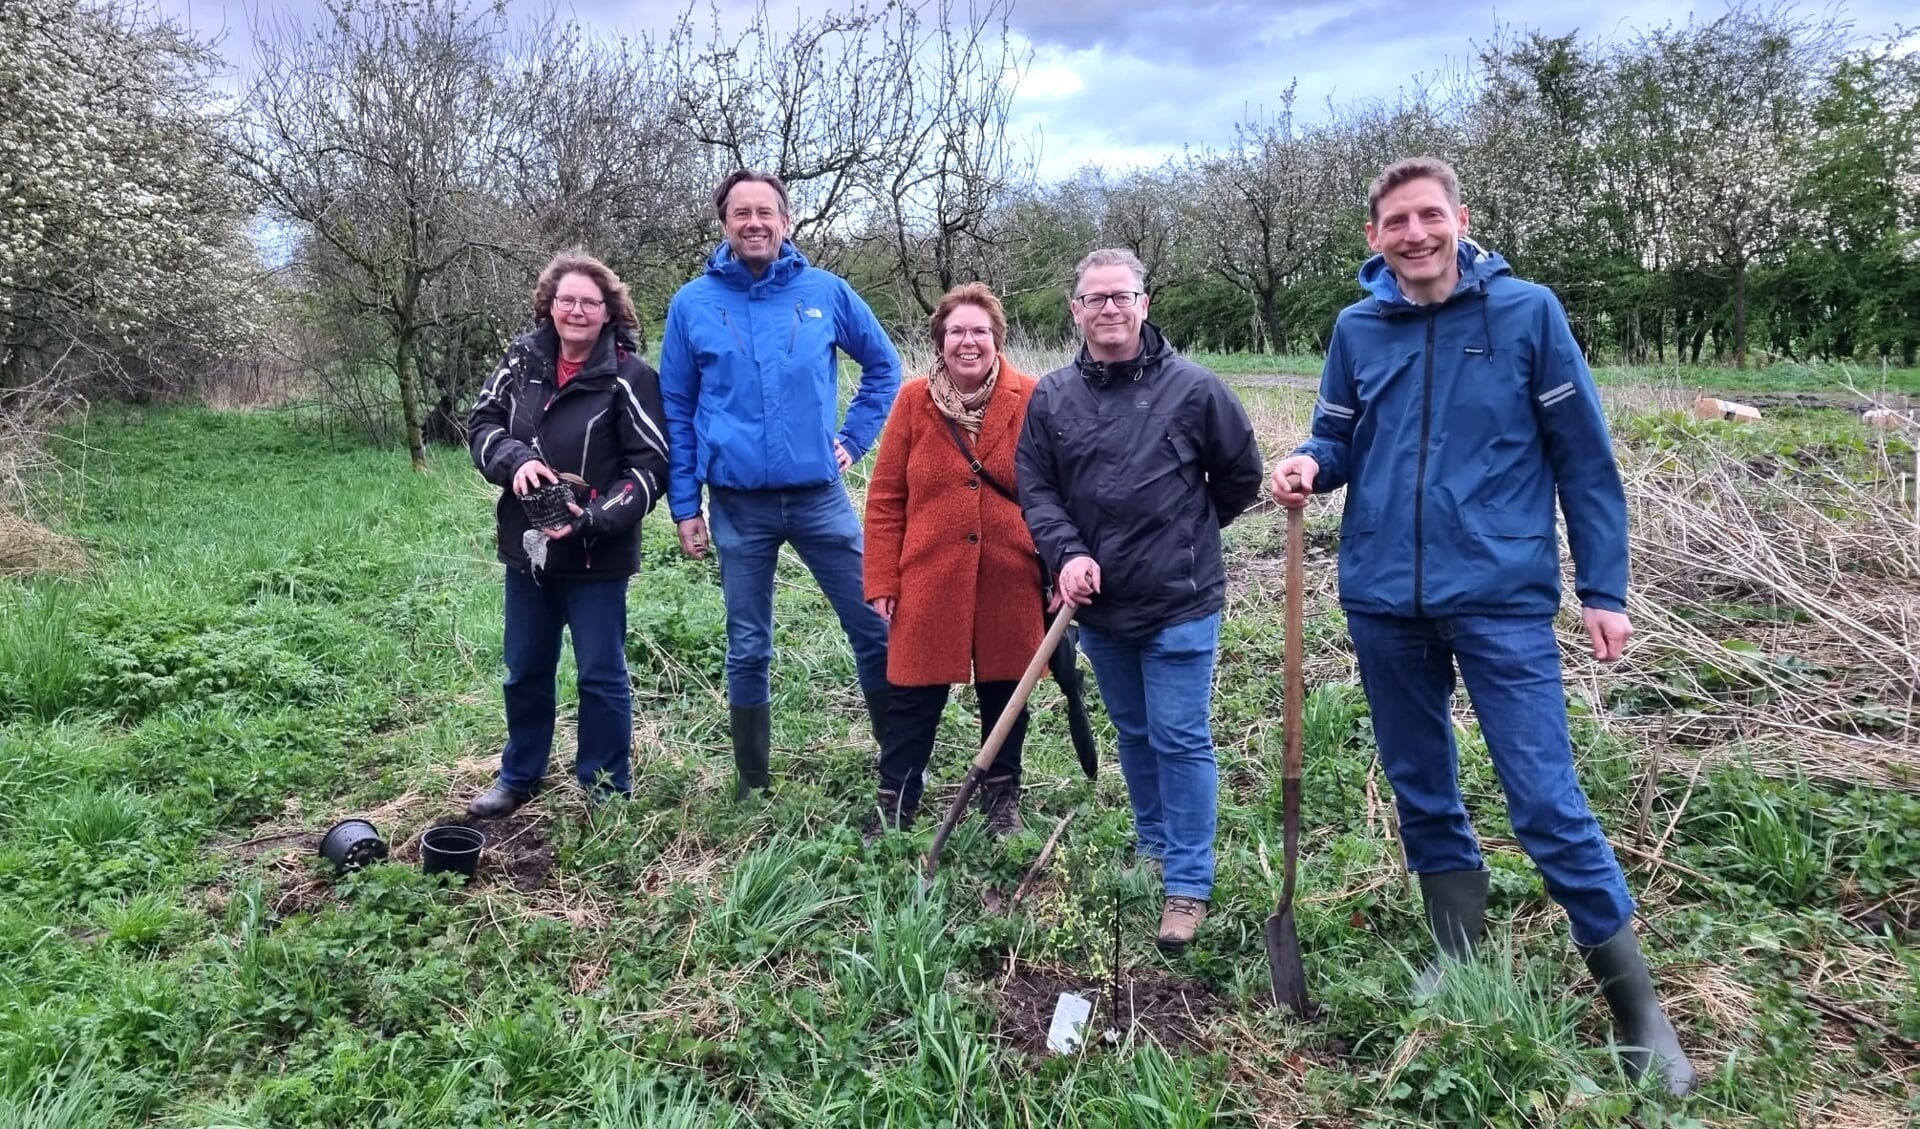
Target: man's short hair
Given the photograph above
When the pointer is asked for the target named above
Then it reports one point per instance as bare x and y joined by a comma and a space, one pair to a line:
1110, 257
741, 176
1412, 168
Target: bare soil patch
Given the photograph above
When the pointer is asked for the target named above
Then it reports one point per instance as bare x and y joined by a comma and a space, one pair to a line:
517, 848
1173, 1011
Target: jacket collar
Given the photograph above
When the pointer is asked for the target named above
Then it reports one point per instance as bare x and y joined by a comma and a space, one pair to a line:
1478, 266
1153, 350
604, 361
731, 272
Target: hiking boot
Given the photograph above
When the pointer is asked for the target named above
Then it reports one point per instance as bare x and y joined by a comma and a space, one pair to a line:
1641, 1029
1456, 903
498, 800
999, 800
752, 730
1179, 921
887, 814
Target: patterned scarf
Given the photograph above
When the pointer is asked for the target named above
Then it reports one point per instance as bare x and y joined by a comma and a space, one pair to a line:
965, 409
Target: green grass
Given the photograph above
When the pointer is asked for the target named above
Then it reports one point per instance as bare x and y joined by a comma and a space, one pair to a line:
282, 629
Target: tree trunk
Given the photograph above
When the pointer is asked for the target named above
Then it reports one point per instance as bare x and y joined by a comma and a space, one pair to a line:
410, 400
1740, 314
1270, 319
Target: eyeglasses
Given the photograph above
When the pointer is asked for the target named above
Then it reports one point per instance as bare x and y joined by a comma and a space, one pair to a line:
967, 332
585, 305
1121, 299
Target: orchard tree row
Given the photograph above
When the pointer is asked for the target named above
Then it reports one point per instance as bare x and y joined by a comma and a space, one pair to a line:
1696, 192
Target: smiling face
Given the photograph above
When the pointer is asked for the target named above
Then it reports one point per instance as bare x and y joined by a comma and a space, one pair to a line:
1418, 230
755, 222
1112, 331
967, 346
579, 312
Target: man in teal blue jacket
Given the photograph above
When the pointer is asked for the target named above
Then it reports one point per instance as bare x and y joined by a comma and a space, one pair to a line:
1457, 409
749, 381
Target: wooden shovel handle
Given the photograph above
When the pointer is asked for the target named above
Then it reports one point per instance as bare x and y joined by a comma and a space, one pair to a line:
996, 738
1295, 695
1035, 668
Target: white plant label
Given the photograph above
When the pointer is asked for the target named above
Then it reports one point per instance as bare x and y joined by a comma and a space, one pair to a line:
1069, 1017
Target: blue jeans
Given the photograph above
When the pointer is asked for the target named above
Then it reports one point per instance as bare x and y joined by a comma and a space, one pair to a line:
748, 528
1511, 666
1159, 695
595, 611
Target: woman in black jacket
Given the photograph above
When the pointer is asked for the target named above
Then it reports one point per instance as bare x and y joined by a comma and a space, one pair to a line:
571, 402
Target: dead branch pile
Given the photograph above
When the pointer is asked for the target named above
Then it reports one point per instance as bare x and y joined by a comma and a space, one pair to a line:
1777, 613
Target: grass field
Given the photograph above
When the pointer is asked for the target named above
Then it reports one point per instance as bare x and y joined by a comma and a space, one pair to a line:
280, 629
1776, 378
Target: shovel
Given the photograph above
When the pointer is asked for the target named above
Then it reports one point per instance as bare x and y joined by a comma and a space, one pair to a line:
1286, 971
996, 738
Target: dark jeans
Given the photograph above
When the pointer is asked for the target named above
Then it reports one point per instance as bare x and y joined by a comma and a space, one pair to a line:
1511, 666
595, 611
913, 718
748, 529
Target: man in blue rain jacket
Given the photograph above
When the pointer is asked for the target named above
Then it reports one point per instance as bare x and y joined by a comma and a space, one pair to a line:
749, 380
1457, 409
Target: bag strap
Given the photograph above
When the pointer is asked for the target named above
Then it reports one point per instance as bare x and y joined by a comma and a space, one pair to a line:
973, 463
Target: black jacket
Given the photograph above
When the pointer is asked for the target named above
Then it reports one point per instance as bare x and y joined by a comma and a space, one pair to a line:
604, 426
1138, 464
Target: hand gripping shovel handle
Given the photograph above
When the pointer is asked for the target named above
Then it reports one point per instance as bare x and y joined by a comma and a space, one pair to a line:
1008, 716
1287, 971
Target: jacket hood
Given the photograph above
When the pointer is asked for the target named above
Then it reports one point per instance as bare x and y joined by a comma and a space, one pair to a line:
722, 265
1153, 348
1477, 266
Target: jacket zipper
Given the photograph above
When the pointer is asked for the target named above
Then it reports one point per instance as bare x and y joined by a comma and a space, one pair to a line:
738, 340
1420, 478
793, 335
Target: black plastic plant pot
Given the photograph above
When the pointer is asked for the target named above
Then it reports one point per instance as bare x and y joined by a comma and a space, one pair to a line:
451, 849
351, 844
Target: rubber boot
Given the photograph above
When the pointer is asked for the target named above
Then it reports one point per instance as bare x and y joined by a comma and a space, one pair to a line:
1456, 902
1638, 1022
752, 740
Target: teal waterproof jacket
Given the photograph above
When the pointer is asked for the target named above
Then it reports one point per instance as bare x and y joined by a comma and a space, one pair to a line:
750, 382
1455, 428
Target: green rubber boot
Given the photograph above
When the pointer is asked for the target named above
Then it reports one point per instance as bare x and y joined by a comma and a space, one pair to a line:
1456, 902
1641, 1029
752, 748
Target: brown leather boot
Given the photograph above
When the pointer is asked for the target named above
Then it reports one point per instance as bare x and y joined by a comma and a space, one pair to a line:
1179, 921
886, 813
999, 799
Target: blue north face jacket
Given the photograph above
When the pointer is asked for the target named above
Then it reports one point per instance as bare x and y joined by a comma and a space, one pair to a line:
1455, 428
750, 382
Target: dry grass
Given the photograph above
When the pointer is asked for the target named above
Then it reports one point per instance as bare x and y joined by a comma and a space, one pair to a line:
28, 548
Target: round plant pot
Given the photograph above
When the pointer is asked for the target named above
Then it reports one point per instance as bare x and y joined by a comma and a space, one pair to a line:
351, 844
452, 849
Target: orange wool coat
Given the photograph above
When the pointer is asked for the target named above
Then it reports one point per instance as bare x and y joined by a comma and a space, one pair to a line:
952, 551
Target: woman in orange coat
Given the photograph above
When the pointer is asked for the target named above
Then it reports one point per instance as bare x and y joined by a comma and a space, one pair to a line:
949, 562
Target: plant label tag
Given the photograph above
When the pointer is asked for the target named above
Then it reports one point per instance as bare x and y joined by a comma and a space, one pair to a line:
1069, 1016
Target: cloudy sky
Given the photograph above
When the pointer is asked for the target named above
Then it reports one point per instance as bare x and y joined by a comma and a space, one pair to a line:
1121, 82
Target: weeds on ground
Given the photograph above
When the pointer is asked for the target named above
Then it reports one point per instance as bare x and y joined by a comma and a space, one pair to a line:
177, 728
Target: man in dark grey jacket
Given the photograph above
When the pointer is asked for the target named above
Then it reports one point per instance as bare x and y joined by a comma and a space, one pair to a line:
1131, 461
